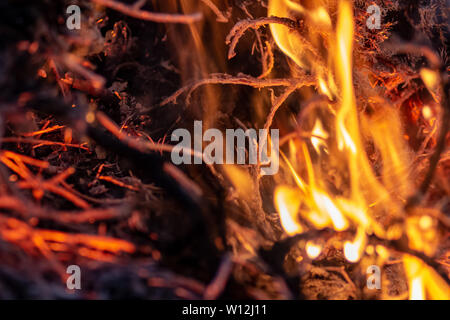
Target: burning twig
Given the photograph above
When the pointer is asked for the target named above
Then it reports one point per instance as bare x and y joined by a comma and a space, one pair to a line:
40, 142
100, 243
143, 146
144, 158
341, 271
51, 185
221, 17
441, 72
331, 185
400, 246
242, 26
267, 58
280, 249
86, 86
75, 64
135, 12
267, 65
118, 183
40, 132
440, 147
241, 79
276, 104
65, 217
215, 288
16, 163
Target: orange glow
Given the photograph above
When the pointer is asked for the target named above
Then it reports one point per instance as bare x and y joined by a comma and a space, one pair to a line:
427, 113
92, 241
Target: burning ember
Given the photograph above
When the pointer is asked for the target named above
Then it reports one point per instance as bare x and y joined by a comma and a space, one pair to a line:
206, 149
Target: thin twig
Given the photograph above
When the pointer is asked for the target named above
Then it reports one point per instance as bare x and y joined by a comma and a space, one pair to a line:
135, 12
444, 123
221, 17
240, 79
216, 287
166, 174
242, 26
275, 106
282, 247
41, 142
268, 65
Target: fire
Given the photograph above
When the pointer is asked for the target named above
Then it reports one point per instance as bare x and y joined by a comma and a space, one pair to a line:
325, 204
286, 42
430, 78
287, 202
313, 250
353, 250
367, 202
423, 281
318, 136
324, 88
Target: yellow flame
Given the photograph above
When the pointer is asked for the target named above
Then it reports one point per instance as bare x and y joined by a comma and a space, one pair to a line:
313, 250
297, 178
425, 222
322, 208
324, 88
427, 113
326, 205
353, 250
423, 281
287, 202
318, 136
429, 78
286, 41
320, 16
366, 200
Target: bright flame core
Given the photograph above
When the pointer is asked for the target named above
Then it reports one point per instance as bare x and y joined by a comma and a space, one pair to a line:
313, 250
